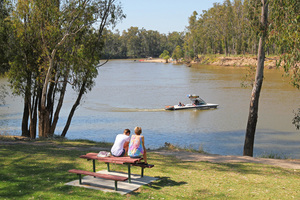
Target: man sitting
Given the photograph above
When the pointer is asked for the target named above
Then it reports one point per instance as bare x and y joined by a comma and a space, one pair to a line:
120, 147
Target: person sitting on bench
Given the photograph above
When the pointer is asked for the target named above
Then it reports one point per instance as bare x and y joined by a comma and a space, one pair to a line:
137, 145
120, 147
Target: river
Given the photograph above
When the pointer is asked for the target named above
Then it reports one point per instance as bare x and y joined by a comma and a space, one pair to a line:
129, 94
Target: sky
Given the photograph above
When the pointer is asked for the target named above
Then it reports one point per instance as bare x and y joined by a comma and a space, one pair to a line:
164, 16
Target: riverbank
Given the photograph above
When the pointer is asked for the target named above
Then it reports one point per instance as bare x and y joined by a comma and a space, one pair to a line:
171, 150
238, 61
32, 171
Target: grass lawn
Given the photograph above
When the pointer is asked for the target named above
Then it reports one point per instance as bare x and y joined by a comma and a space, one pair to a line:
41, 171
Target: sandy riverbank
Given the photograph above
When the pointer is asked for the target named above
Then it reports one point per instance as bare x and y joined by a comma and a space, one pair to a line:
222, 61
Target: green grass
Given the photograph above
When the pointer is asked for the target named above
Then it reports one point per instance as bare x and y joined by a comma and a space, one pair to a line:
41, 171
172, 147
274, 155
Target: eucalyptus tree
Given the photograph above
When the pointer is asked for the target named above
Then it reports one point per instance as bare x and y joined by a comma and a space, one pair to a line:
191, 37
285, 32
177, 53
174, 39
238, 25
113, 45
254, 101
285, 26
134, 42
165, 55
153, 43
60, 43
5, 30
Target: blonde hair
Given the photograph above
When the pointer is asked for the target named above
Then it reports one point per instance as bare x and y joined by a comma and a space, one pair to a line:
138, 130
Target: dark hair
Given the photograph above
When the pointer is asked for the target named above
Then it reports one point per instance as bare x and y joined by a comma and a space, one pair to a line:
127, 130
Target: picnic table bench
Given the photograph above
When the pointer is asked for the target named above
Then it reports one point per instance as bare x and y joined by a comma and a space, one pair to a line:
118, 160
104, 176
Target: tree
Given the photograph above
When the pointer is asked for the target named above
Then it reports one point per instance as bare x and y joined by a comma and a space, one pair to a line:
165, 55
177, 53
285, 28
60, 46
134, 41
253, 111
174, 39
296, 119
284, 32
191, 38
4, 36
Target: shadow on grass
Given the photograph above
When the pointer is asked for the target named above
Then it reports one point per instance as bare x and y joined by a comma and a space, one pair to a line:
165, 182
162, 182
24, 171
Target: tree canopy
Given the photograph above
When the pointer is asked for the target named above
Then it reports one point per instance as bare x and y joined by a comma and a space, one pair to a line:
56, 43
5, 28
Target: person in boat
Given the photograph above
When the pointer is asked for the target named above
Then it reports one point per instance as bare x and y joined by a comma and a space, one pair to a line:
196, 102
121, 144
180, 104
137, 147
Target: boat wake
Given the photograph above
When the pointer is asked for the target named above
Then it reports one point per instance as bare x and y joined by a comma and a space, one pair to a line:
137, 110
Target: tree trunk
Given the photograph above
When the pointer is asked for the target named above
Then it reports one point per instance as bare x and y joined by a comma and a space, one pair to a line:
226, 47
44, 119
60, 103
33, 116
253, 111
76, 104
25, 119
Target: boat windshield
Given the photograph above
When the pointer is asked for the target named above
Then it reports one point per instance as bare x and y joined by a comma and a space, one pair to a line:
197, 101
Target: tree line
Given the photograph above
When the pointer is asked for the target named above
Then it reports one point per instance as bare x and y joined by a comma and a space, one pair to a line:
230, 28
140, 43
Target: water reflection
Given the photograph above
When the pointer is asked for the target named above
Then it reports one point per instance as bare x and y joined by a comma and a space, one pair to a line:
129, 94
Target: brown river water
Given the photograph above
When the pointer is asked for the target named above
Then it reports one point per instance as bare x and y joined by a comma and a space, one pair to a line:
129, 94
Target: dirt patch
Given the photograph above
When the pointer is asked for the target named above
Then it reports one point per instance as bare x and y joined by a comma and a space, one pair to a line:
223, 61
243, 61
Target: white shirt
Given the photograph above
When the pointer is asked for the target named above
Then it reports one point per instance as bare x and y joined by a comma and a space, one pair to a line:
118, 146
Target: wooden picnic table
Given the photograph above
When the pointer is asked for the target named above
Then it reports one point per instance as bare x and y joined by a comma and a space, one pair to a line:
116, 160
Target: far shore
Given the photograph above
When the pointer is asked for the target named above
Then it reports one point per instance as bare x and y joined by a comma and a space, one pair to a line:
270, 62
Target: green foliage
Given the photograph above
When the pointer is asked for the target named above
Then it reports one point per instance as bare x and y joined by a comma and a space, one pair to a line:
3, 94
284, 32
248, 79
5, 32
56, 44
177, 53
273, 156
296, 119
165, 55
139, 43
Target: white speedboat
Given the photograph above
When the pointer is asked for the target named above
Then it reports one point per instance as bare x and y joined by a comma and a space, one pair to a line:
196, 102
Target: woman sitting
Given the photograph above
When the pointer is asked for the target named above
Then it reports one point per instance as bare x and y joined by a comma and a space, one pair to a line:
137, 145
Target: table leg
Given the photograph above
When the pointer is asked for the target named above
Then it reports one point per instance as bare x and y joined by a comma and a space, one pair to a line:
80, 182
94, 166
108, 169
142, 173
129, 174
